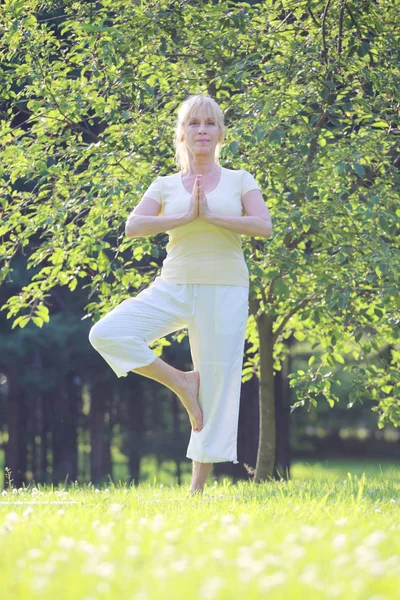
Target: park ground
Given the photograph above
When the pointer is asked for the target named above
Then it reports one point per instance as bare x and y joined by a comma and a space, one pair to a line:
331, 531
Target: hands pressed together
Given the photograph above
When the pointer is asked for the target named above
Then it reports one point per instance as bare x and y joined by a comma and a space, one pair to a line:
198, 207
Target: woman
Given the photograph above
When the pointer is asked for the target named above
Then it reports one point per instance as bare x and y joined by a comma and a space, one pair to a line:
203, 285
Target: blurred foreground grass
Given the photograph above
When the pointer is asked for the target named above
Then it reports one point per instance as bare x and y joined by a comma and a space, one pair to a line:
323, 534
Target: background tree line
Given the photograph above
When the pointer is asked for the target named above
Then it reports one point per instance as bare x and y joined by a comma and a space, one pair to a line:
310, 94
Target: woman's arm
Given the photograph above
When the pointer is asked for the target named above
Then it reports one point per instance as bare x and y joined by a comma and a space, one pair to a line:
248, 225
257, 221
143, 220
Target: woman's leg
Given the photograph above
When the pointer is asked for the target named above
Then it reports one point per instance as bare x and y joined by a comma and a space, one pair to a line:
123, 335
200, 474
184, 384
217, 334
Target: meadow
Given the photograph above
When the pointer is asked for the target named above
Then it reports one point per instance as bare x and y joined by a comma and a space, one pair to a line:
326, 533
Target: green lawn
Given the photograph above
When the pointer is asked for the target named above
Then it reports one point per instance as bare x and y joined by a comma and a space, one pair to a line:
333, 531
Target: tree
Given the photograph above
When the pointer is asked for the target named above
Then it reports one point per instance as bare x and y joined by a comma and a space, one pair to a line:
310, 100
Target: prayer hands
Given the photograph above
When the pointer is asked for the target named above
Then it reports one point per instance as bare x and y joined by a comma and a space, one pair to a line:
204, 209
198, 202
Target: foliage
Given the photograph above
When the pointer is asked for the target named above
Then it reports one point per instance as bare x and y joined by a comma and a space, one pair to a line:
311, 96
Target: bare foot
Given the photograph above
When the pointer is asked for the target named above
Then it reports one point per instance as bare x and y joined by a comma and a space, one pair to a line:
194, 492
188, 395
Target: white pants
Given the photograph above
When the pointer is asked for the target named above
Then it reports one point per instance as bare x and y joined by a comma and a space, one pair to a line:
216, 317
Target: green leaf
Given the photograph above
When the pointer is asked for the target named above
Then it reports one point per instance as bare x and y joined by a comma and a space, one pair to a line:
359, 169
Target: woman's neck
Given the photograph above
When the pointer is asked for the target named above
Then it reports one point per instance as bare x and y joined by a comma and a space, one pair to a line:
206, 167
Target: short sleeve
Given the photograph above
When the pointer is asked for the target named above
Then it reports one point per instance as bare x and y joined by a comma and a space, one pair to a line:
154, 190
248, 183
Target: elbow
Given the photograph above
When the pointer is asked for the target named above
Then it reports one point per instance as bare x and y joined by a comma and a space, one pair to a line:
267, 228
131, 229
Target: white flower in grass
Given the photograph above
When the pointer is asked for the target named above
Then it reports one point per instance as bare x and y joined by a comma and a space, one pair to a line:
61, 511
341, 560
132, 551
365, 556
392, 561
180, 565
115, 508
217, 553
105, 531
160, 572
142, 595
67, 543
157, 523
4, 493
341, 522
377, 568
226, 519
230, 534
357, 585
103, 587
105, 570
276, 560
86, 547
96, 523
244, 519
375, 538
59, 556
339, 541
11, 517
294, 552
267, 582
310, 533
34, 553
258, 544
309, 574
173, 535
143, 521
47, 568
211, 587
39, 582
335, 590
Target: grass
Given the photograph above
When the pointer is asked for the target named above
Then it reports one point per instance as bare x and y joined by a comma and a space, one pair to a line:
323, 534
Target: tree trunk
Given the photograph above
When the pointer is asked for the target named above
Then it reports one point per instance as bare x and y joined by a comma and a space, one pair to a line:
135, 426
64, 433
282, 410
99, 435
15, 454
266, 445
39, 463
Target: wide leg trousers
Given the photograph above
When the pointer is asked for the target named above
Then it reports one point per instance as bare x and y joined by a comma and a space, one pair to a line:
216, 317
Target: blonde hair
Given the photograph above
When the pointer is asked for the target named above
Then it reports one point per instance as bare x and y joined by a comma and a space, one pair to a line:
193, 106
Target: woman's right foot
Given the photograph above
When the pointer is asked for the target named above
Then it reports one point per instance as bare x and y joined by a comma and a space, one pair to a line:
188, 395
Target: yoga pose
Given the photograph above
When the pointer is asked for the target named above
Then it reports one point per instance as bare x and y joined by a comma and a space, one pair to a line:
203, 285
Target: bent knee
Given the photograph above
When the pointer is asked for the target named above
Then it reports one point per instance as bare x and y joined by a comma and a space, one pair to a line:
99, 333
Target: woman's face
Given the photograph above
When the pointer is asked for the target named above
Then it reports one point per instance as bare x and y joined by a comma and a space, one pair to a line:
201, 134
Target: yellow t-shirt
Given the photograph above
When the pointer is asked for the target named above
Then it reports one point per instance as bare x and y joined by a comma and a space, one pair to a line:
200, 252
